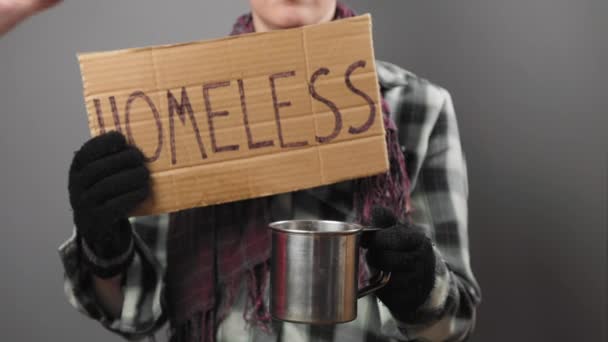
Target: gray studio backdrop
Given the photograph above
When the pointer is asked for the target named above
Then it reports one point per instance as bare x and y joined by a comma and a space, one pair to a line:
527, 78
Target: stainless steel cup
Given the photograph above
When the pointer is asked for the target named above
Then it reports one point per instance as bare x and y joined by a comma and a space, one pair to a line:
314, 271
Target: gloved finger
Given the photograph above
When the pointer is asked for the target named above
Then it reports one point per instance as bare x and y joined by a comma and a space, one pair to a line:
408, 289
108, 237
397, 238
366, 238
97, 148
391, 261
382, 217
116, 185
99, 169
122, 205
400, 261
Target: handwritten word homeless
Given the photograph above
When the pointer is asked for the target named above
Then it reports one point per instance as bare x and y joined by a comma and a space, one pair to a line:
182, 107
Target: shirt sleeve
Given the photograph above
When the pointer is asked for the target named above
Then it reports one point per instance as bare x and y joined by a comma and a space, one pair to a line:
143, 285
436, 165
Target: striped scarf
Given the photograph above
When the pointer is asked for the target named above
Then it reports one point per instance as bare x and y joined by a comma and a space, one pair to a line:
212, 250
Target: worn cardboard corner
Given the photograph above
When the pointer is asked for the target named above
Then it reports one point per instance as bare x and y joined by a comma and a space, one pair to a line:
244, 117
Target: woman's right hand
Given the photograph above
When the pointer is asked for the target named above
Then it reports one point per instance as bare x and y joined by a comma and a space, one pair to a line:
13, 12
108, 178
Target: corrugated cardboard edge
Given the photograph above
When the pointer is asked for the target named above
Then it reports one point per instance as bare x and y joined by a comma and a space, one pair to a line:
84, 55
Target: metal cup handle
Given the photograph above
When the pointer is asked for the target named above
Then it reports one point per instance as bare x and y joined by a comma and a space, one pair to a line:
379, 280
376, 283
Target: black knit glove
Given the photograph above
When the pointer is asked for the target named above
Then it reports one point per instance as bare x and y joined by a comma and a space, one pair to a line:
108, 179
406, 252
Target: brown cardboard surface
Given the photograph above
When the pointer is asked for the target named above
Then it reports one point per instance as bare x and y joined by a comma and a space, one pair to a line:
214, 129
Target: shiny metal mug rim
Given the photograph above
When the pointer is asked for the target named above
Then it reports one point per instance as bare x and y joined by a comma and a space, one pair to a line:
356, 228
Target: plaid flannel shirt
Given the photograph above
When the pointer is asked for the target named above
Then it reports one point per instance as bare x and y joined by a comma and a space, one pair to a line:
429, 138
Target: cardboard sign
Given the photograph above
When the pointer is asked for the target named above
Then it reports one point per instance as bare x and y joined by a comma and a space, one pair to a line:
245, 116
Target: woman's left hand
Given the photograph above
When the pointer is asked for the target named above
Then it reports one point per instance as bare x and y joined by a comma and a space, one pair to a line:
404, 250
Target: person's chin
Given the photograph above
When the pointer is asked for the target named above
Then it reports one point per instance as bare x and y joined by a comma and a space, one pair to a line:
291, 24
293, 18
